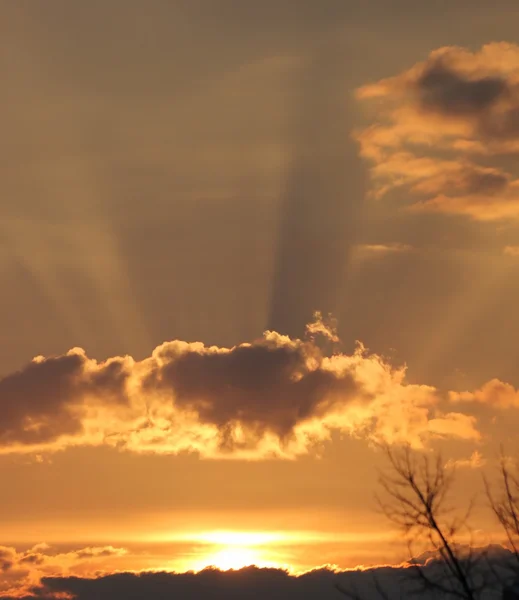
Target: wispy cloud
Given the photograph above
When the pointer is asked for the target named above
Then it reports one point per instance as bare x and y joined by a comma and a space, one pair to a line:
474, 461
493, 393
379, 250
511, 250
20, 570
434, 126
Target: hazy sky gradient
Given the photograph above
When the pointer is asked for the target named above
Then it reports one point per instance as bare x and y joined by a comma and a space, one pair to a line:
194, 170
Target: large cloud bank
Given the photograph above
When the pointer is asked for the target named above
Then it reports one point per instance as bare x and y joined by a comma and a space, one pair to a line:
256, 584
273, 397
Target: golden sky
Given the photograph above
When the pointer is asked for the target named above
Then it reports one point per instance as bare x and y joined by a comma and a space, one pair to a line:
241, 243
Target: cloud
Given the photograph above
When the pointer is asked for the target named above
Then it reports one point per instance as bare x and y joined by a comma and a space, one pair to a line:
250, 582
324, 327
372, 251
511, 250
443, 89
454, 425
48, 398
494, 393
20, 570
256, 583
274, 397
475, 461
434, 123
98, 552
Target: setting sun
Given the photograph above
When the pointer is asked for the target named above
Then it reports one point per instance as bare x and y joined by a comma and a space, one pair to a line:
241, 538
226, 550
233, 557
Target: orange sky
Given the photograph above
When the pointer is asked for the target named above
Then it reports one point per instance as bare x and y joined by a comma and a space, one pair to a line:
238, 248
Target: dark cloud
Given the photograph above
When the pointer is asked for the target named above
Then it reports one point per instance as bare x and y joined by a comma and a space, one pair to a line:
440, 88
32, 401
43, 400
485, 182
6, 559
492, 100
256, 584
32, 559
95, 552
438, 121
251, 583
503, 125
263, 386
460, 179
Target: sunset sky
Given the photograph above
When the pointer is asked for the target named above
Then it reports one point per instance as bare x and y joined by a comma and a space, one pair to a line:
241, 244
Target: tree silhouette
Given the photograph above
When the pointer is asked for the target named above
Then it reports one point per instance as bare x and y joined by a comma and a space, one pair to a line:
414, 497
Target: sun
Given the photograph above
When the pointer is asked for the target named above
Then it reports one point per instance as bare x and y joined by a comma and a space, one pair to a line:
235, 550
233, 557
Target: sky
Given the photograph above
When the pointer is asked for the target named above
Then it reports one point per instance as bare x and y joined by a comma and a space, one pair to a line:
241, 245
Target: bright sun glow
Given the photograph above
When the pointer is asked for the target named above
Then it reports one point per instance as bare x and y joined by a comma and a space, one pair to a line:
236, 549
231, 549
233, 557
240, 538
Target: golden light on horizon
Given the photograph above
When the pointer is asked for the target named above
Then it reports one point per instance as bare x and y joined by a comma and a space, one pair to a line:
226, 550
235, 557
242, 538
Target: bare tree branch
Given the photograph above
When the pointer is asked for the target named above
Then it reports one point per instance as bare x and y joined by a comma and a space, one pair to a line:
505, 504
415, 490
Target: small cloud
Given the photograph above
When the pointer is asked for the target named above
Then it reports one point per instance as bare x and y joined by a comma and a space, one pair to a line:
494, 393
363, 253
381, 249
20, 571
511, 250
475, 461
455, 425
97, 552
325, 327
